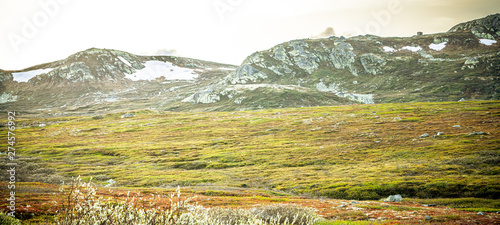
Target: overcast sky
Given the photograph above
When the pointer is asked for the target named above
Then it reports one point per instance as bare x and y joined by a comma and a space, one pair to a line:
39, 31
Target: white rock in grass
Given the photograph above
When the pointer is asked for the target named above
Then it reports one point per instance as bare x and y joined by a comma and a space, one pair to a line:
424, 135
128, 115
394, 198
110, 182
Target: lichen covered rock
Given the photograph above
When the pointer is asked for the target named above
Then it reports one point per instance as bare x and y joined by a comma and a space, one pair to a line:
487, 27
343, 57
244, 74
303, 58
7, 97
372, 63
208, 95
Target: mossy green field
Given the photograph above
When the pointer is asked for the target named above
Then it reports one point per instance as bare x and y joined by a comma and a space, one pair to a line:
363, 152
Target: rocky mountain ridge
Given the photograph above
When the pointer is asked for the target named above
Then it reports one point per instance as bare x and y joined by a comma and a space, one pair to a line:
488, 27
463, 63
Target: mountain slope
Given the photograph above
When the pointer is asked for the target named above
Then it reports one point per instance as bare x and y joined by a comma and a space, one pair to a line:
101, 80
488, 27
463, 63
448, 66
102, 76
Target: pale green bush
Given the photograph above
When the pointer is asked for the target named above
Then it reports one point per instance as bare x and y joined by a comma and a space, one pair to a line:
82, 206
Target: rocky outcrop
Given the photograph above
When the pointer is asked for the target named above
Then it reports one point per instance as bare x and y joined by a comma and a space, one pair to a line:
394, 198
5, 76
244, 74
207, 95
343, 57
487, 28
372, 63
77, 71
302, 58
7, 97
370, 69
295, 58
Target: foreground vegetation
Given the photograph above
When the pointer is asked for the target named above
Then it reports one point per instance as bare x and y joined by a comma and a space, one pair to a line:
39, 203
83, 206
361, 152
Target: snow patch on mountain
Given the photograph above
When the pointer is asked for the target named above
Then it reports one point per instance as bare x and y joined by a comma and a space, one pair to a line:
156, 69
223, 68
487, 41
25, 76
438, 47
389, 49
124, 61
413, 49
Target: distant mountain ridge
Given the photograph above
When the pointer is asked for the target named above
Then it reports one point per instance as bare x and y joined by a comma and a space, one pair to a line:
461, 63
448, 66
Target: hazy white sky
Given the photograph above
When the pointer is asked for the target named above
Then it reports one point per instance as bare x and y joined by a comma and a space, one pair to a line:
39, 31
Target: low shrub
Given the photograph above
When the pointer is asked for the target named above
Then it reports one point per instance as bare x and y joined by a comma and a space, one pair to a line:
6, 219
82, 206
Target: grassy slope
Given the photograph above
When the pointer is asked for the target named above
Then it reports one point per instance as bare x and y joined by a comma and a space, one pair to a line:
349, 152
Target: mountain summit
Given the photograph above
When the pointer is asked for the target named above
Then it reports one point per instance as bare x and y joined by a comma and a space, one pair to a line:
462, 63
